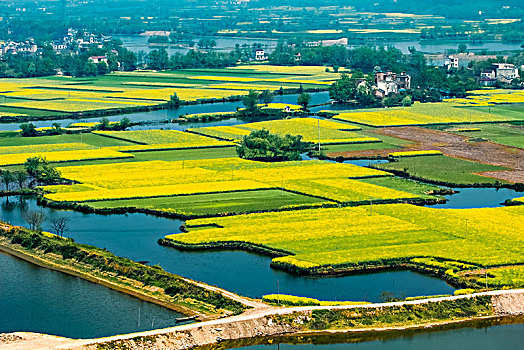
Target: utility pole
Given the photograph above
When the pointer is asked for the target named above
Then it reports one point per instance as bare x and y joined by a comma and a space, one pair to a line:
318, 124
278, 292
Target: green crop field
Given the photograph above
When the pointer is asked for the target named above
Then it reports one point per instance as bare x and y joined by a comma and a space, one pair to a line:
362, 235
216, 203
87, 138
505, 134
443, 168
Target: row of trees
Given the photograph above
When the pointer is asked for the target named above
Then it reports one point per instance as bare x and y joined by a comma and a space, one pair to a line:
35, 220
70, 63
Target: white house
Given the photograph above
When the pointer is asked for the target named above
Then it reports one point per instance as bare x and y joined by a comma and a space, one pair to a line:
98, 59
451, 62
260, 55
391, 83
506, 72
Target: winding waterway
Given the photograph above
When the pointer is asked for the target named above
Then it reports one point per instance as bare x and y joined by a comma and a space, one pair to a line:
135, 236
162, 115
37, 299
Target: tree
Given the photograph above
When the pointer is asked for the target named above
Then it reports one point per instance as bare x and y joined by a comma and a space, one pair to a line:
251, 101
262, 145
406, 101
28, 129
462, 48
40, 169
56, 129
104, 124
60, 225
174, 101
20, 178
124, 123
31, 166
304, 99
34, 219
266, 97
7, 178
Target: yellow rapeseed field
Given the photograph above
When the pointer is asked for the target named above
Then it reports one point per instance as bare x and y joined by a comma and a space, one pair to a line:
63, 156
356, 235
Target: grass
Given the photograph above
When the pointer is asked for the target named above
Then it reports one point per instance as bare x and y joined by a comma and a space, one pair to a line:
213, 204
505, 134
444, 169
360, 236
401, 184
507, 276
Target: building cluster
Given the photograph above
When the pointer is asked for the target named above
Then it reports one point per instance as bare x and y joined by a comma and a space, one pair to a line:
387, 83
499, 72
15, 48
74, 42
79, 42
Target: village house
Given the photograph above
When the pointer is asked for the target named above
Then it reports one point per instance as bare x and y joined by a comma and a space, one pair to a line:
390, 83
499, 72
451, 62
98, 59
260, 55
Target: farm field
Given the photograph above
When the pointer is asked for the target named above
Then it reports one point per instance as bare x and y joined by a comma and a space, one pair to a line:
478, 236
311, 130
62, 156
61, 96
421, 114
217, 203
87, 138
489, 97
505, 134
161, 139
315, 180
443, 169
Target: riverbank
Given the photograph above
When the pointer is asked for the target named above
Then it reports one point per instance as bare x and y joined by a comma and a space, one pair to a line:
148, 283
304, 321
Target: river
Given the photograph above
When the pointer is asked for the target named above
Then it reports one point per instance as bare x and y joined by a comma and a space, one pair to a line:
508, 336
36, 299
135, 236
137, 43
163, 115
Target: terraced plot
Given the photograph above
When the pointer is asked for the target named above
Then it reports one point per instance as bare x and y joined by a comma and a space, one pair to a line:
162, 139
311, 129
422, 114
139, 182
358, 236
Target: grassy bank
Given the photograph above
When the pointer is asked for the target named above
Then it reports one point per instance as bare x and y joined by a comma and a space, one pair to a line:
388, 316
150, 283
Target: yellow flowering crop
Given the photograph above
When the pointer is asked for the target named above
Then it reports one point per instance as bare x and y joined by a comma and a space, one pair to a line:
162, 178
330, 132
345, 190
153, 137
157, 191
420, 114
355, 235
45, 148
63, 156
415, 153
